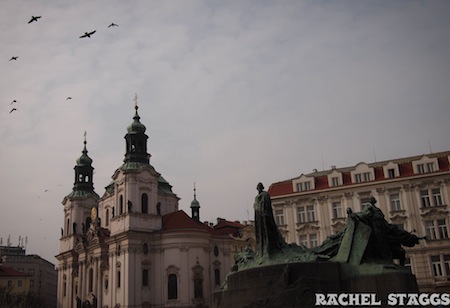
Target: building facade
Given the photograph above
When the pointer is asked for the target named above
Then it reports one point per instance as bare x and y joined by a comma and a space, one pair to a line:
412, 192
133, 247
39, 275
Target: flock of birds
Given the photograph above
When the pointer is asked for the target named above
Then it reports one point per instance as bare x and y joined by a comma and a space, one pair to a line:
86, 34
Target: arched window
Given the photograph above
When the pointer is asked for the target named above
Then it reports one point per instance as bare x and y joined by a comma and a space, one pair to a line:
145, 278
68, 227
217, 276
91, 279
172, 287
107, 218
144, 204
198, 287
120, 205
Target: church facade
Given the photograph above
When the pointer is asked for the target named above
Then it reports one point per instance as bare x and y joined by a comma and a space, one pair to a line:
133, 247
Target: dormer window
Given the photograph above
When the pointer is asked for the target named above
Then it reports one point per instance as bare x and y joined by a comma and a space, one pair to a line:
362, 173
425, 165
303, 183
305, 186
335, 178
362, 177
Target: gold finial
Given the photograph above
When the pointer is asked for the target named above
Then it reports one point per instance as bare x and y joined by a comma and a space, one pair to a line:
135, 101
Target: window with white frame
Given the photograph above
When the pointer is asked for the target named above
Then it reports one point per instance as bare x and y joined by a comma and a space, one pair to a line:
408, 264
425, 198
304, 186
395, 202
305, 214
336, 209
437, 266
436, 229
310, 213
420, 168
425, 165
279, 217
308, 240
301, 214
334, 181
334, 178
437, 199
430, 167
431, 197
391, 173
441, 266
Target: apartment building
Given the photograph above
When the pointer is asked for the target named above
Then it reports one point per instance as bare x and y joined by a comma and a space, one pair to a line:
413, 193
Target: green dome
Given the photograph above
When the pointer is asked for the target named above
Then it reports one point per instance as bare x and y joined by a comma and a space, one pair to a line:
136, 126
84, 159
195, 203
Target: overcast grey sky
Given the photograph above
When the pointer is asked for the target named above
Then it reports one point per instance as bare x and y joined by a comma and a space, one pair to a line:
231, 92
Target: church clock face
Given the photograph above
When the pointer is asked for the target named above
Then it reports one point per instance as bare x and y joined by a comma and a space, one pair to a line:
94, 213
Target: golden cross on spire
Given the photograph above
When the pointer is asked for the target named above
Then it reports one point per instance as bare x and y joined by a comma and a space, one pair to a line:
135, 100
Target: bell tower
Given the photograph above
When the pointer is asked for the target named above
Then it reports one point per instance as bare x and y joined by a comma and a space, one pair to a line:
136, 140
79, 203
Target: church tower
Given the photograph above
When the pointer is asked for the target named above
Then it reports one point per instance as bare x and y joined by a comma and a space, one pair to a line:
195, 207
78, 206
79, 203
138, 195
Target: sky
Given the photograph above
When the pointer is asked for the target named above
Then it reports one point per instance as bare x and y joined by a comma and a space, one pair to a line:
232, 93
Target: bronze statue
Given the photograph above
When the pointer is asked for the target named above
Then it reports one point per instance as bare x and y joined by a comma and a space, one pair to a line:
268, 237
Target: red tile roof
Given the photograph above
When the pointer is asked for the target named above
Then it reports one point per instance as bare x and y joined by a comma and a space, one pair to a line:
10, 272
321, 180
228, 227
179, 220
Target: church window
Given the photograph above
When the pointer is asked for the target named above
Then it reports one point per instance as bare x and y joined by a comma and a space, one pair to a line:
145, 278
144, 203
65, 285
106, 283
68, 226
118, 279
216, 250
91, 279
198, 287
145, 248
107, 218
120, 205
217, 277
172, 286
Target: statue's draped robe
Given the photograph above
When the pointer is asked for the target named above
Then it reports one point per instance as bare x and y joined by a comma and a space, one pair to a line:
268, 237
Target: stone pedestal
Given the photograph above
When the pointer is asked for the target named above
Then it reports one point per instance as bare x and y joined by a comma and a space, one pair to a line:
296, 285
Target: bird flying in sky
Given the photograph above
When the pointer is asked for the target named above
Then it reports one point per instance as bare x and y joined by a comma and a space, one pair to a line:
88, 34
113, 25
13, 58
34, 18
14, 101
69, 98
14, 109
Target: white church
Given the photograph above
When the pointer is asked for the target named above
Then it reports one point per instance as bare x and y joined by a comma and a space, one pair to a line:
133, 247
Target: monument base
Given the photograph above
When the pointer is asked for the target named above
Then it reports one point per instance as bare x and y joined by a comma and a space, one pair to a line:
297, 284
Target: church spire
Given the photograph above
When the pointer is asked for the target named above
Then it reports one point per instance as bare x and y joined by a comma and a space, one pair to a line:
84, 171
195, 207
136, 140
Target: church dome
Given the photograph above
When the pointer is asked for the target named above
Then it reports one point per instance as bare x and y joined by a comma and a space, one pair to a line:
136, 126
84, 159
